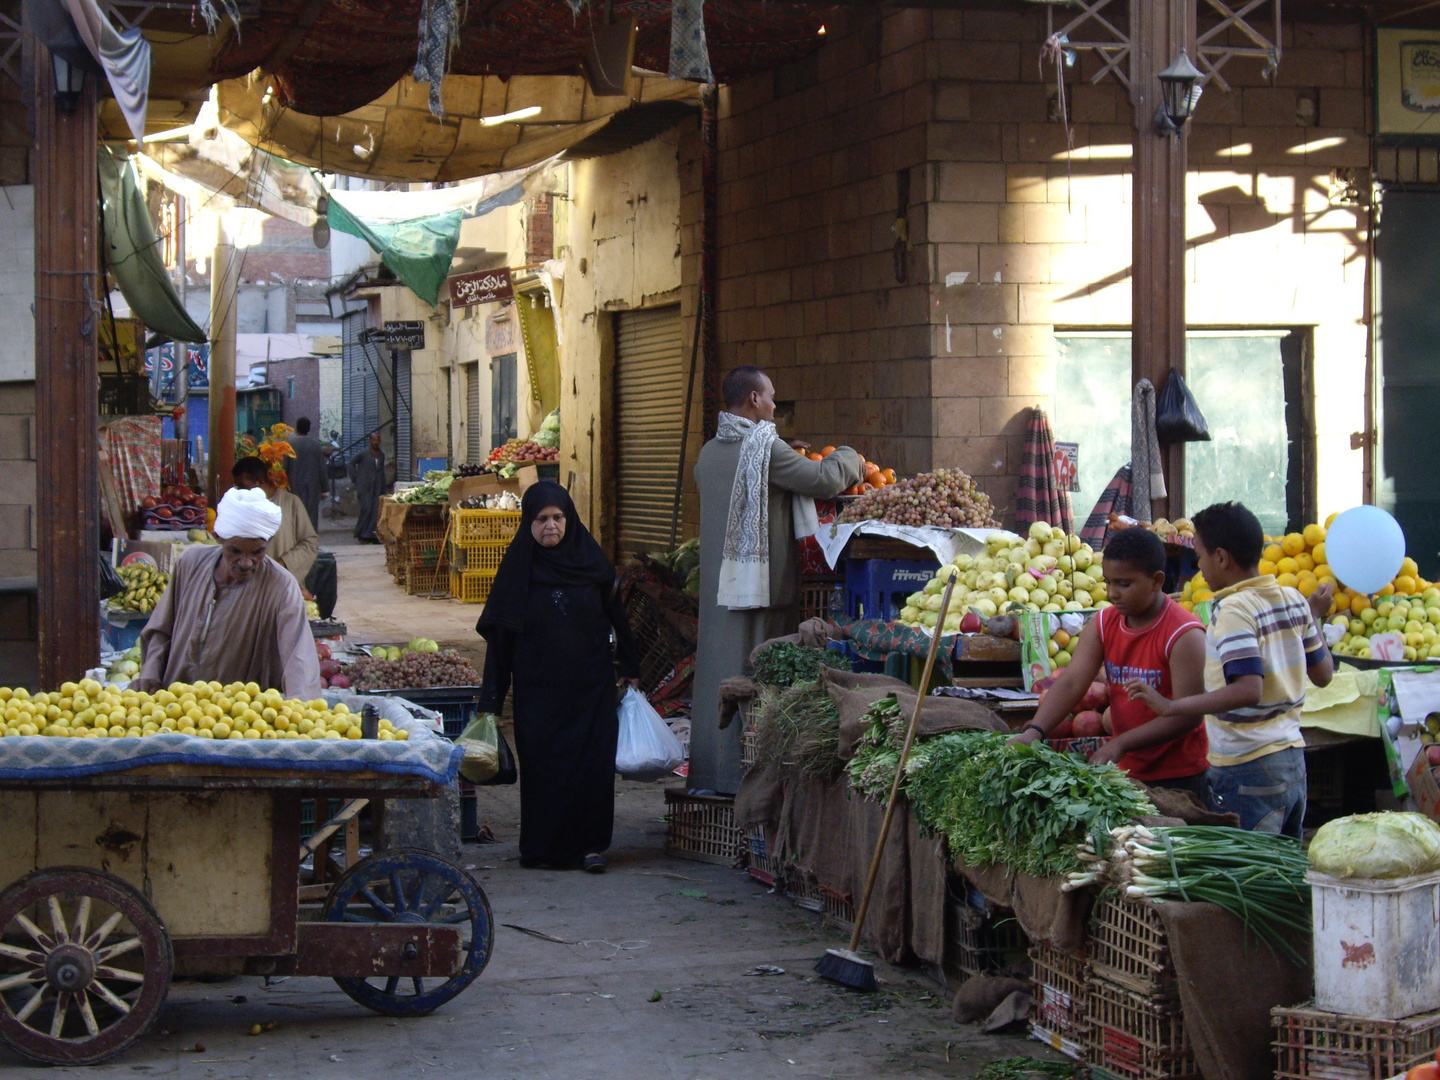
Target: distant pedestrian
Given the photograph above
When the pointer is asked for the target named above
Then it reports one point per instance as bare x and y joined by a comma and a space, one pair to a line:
547, 625
367, 473
307, 469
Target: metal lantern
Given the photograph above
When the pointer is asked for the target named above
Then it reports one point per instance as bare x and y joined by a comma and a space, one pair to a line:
1179, 85
69, 83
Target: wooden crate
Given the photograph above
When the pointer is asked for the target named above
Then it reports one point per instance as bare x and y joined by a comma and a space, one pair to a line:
702, 828
980, 937
760, 861
1314, 1045
1128, 947
806, 891
1057, 1010
816, 592
1131, 1037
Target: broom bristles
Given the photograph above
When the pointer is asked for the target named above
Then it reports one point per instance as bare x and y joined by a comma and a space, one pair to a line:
846, 968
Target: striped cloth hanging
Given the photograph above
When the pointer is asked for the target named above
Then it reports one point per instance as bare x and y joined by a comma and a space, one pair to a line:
1040, 496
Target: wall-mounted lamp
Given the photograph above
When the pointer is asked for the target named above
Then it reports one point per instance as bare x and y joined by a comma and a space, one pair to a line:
69, 83
320, 231
1179, 84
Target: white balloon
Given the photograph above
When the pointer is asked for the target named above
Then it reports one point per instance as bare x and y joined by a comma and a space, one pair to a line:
1365, 547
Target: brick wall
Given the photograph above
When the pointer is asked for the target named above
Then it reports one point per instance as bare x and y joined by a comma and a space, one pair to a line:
306, 402
1013, 233
540, 237
810, 175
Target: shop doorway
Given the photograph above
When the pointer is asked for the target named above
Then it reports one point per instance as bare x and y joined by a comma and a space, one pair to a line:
473, 453
1408, 484
504, 399
649, 414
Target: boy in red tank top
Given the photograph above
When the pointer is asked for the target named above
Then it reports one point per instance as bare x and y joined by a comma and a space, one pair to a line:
1147, 636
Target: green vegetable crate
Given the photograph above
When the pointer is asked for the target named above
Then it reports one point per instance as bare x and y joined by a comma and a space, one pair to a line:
1313, 1045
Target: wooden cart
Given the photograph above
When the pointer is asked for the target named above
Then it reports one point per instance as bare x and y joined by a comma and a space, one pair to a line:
118, 881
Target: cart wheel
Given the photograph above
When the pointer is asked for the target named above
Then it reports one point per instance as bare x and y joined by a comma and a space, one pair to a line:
412, 885
88, 986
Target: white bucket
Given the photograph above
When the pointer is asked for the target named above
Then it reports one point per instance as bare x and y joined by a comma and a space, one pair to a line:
1377, 945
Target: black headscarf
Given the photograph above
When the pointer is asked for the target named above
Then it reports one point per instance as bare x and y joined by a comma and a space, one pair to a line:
576, 560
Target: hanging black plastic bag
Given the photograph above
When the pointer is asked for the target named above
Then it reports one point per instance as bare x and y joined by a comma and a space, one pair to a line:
1177, 415
111, 584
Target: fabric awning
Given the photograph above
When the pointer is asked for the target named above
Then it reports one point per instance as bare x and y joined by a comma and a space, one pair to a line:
132, 252
394, 137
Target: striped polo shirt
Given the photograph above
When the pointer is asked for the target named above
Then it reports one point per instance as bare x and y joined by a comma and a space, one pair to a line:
1259, 627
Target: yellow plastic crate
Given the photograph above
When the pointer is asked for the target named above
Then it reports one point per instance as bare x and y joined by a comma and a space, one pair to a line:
484, 556
469, 527
472, 586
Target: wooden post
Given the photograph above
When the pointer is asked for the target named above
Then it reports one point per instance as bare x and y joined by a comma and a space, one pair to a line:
1159, 29
224, 298
68, 293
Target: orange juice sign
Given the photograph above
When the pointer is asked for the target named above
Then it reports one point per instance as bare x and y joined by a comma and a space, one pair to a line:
480, 287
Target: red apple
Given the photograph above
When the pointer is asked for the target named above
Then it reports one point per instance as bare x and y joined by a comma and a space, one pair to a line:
163, 511
1432, 755
971, 623
150, 502
201, 502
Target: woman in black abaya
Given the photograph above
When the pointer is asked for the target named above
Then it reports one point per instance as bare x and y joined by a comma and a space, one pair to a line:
547, 630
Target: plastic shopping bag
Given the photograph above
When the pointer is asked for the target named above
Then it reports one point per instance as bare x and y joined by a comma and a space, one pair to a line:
1177, 414
647, 749
487, 756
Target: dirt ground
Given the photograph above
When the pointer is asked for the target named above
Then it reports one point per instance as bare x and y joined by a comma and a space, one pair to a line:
656, 972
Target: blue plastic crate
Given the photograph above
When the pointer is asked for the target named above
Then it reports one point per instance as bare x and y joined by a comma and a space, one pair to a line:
877, 588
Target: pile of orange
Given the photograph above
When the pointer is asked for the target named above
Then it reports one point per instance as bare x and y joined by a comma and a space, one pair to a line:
875, 476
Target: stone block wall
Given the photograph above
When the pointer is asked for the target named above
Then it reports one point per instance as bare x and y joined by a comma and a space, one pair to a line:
1017, 226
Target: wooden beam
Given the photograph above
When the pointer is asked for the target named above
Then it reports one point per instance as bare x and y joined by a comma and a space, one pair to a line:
68, 291
224, 297
1159, 29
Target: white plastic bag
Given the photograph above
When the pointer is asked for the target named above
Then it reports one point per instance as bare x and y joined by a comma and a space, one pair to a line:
647, 749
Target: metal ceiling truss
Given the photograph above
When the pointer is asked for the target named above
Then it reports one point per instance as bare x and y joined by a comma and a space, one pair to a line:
1112, 44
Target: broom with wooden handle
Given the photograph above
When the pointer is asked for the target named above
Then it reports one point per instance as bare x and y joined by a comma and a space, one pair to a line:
846, 966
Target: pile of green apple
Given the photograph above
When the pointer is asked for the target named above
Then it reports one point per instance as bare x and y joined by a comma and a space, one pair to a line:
1416, 618
1047, 571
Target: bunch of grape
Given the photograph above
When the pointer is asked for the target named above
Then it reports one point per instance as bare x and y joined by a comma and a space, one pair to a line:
948, 498
444, 668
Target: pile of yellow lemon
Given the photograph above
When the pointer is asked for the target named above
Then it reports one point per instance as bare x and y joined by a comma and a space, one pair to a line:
1298, 560
205, 710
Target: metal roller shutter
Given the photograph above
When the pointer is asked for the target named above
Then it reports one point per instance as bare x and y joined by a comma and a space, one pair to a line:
352, 391
404, 467
649, 414
472, 414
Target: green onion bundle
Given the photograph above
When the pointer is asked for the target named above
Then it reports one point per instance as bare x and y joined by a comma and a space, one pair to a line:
1258, 877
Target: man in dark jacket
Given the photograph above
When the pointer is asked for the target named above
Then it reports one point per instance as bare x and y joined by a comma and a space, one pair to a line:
307, 469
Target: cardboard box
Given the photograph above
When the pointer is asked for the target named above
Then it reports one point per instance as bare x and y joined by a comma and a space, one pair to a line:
1423, 787
159, 554
464, 487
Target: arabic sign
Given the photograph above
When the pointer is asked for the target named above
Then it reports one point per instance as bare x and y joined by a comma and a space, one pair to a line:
480, 287
405, 335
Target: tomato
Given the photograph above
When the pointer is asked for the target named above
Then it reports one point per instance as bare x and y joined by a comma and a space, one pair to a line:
1428, 1071
827, 451
814, 457
889, 475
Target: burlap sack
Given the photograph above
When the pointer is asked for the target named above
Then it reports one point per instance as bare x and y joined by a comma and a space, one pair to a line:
980, 995
853, 692
735, 692
1175, 803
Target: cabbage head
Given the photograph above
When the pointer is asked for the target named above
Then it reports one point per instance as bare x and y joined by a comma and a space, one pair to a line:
1386, 845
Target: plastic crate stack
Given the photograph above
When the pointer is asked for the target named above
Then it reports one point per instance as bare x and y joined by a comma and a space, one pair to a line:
478, 539
1376, 1011
1134, 1028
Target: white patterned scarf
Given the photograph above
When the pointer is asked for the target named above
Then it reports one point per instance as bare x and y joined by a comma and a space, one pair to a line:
745, 559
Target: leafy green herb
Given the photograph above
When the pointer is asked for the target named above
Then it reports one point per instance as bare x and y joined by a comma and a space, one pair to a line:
1022, 1068
785, 663
798, 727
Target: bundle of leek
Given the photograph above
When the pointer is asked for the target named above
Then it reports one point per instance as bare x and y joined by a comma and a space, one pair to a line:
1258, 877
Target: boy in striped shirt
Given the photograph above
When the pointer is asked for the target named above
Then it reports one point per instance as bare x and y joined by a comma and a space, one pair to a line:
1263, 642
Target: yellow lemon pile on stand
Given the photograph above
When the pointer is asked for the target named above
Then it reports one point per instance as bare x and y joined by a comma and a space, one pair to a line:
207, 710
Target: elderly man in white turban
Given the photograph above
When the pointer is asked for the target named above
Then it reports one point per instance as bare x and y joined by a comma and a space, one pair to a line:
231, 614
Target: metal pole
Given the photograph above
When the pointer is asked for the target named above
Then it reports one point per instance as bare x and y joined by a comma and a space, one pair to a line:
68, 295
224, 298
